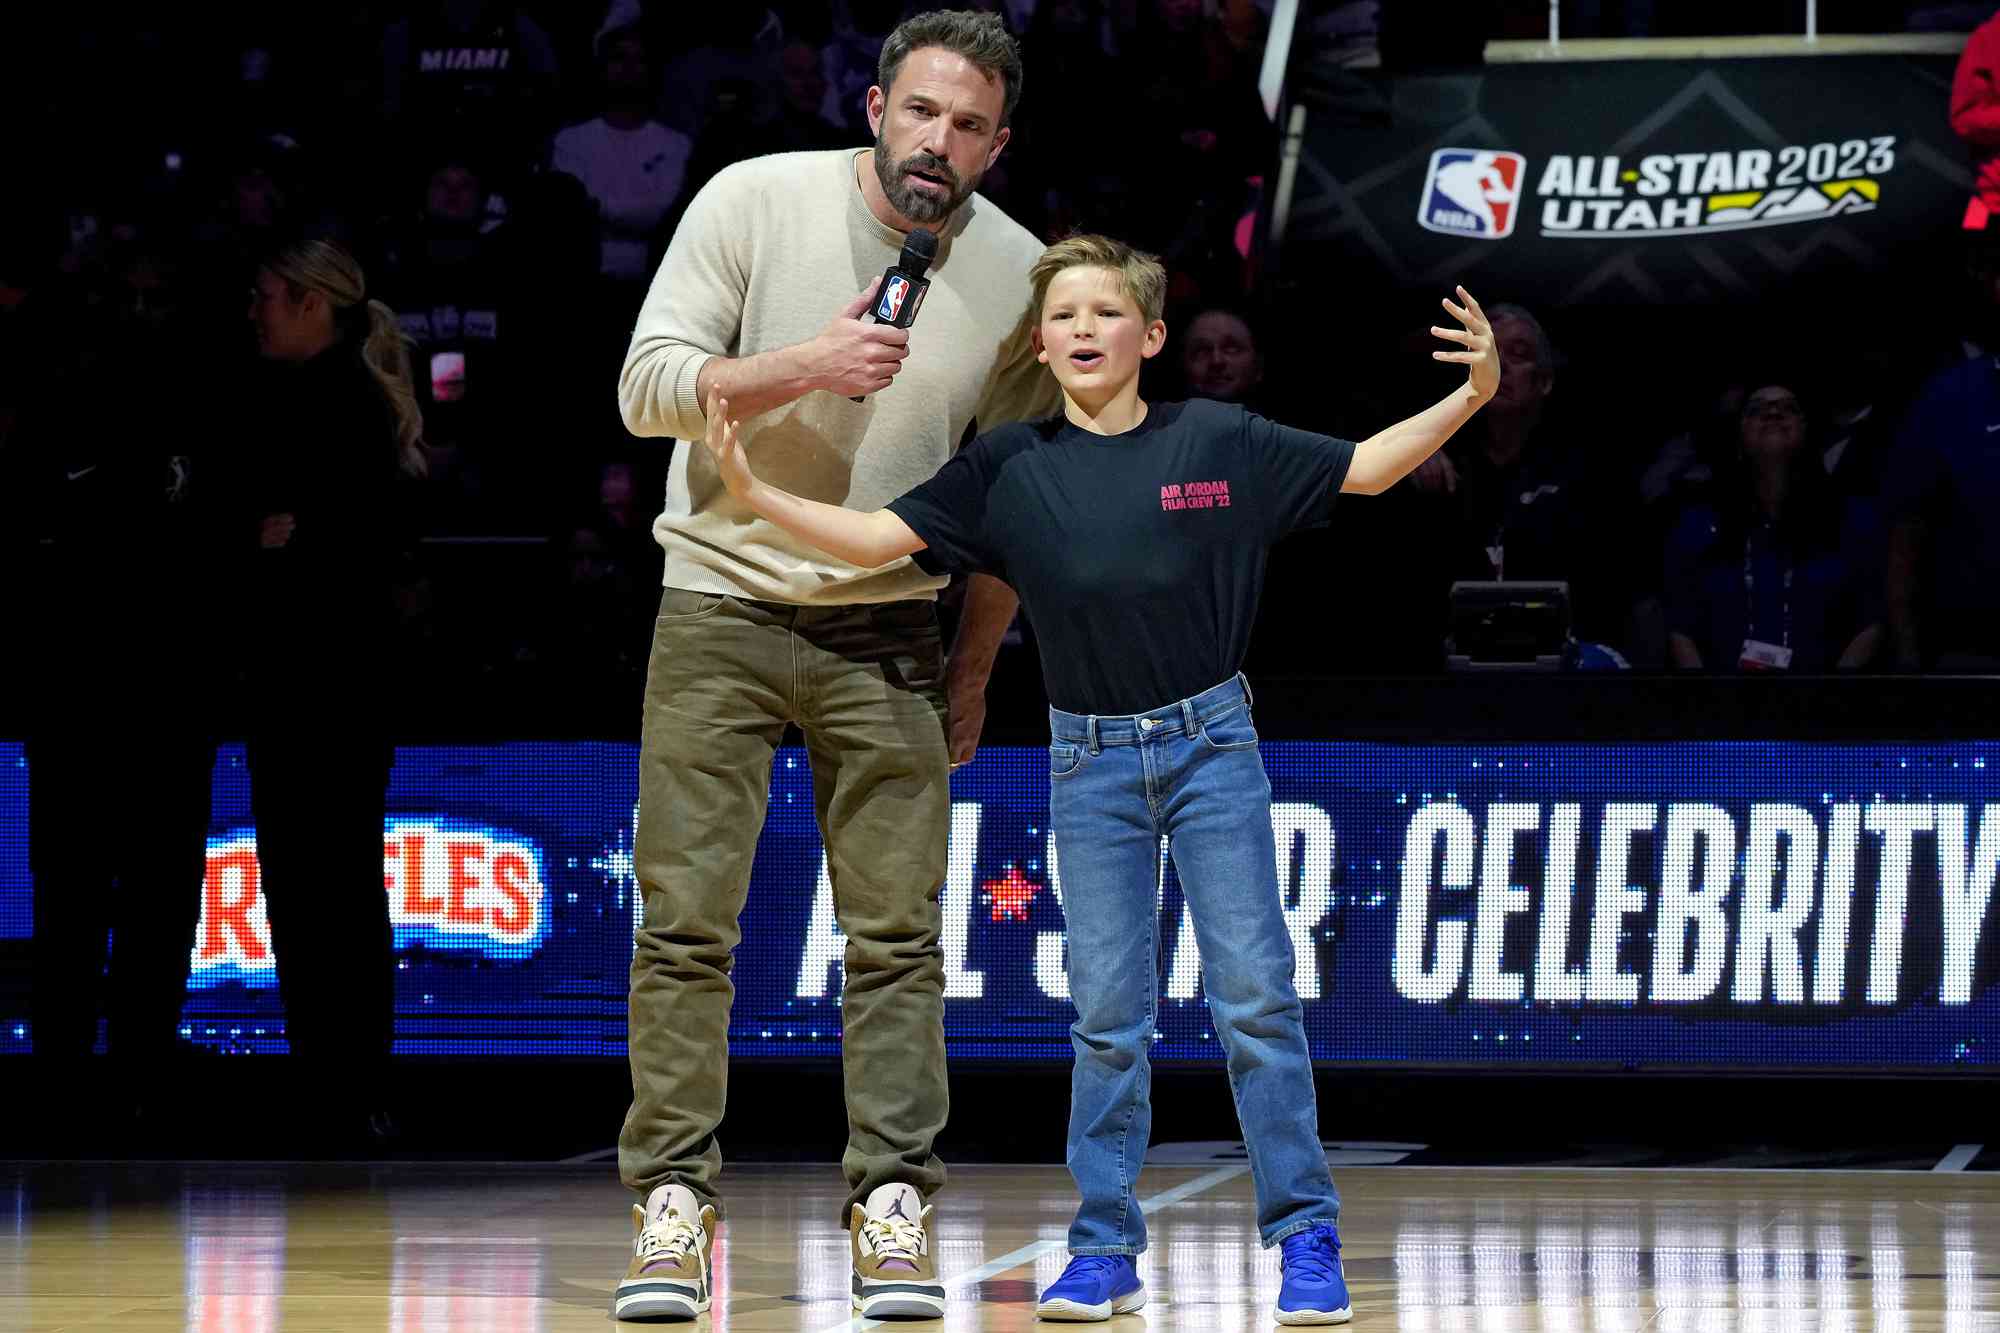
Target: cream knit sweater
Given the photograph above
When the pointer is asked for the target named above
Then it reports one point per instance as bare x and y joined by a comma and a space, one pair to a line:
768, 252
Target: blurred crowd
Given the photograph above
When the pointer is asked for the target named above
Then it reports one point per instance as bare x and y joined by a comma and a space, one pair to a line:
508, 173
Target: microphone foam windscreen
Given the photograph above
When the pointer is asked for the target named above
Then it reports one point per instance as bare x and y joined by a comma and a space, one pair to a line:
919, 249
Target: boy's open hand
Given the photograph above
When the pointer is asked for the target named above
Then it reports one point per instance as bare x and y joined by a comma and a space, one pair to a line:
725, 445
1481, 355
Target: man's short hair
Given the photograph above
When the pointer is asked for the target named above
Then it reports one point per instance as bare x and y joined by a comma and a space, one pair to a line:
1142, 275
981, 38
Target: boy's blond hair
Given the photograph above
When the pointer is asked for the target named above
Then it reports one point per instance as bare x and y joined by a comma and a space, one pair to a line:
1142, 275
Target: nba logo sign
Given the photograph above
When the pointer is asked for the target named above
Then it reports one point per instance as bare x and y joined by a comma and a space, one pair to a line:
891, 304
1472, 192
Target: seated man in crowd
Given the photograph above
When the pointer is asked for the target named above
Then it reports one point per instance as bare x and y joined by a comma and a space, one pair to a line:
633, 166
1940, 490
1514, 498
470, 64
1219, 358
447, 278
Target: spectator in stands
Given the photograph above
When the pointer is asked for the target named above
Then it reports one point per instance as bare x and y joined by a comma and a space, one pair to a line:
801, 124
1070, 183
1513, 498
318, 504
1196, 87
1975, 117
1974, 309
603, 612
469, 67
1940, 492
1079, 43
730, 133
859, 29
266, 90
257, 200
255, 193
1857, 429
1849, 441
563, 320
1777, 573
633, 166
735, 126
449, 277
1684, 467
624, 513
733, 44
1219, 358
621, 519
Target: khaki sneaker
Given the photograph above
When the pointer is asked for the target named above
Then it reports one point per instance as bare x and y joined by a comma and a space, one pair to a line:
668, 1277
895, 1275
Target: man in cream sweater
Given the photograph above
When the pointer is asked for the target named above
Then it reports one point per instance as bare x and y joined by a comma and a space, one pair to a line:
761, 297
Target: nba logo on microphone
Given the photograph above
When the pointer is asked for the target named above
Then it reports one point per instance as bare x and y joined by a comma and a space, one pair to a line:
891, 304
1472, 192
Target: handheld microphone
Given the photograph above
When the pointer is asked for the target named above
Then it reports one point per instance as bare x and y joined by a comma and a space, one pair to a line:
904, 284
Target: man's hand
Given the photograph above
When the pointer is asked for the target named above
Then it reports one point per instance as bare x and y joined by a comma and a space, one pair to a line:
725, 445
1481, 356
968, 718
276, 531
1436, 475
854, 356
982, 623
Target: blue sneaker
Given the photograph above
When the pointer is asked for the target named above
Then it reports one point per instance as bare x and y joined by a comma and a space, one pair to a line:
1315, 1290
1093, 1287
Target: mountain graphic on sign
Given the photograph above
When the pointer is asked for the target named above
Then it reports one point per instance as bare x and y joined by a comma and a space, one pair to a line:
1779, 206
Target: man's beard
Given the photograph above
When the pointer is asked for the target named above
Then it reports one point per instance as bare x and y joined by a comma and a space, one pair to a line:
910, 201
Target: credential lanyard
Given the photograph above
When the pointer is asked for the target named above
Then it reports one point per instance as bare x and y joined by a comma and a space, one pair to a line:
1750, 598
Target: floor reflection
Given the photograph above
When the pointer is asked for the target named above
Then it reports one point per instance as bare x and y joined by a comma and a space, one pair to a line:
244, 1250
1666, 1264
234, 1256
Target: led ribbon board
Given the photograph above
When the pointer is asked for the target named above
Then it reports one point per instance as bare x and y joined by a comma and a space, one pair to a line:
1729, 904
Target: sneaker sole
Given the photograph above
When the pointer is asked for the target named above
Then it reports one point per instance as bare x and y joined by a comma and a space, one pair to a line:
1076, 1312
1340, 1316
657, 1301
902, 1301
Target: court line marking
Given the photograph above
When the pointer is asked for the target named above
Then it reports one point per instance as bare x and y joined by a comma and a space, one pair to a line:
1960, 1157
1036, 1249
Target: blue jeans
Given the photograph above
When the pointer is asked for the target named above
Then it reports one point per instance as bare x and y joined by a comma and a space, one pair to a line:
1189, 773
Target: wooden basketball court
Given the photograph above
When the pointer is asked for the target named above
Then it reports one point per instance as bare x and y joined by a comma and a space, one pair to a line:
408, 1246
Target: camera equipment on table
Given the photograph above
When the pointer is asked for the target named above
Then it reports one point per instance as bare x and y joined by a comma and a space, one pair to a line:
1511, 626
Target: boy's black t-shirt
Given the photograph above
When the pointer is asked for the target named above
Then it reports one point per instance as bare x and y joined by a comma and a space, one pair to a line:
1138, 557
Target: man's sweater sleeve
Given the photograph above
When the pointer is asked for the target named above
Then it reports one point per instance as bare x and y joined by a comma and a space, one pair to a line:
1020, 387
1975, 103
693, 311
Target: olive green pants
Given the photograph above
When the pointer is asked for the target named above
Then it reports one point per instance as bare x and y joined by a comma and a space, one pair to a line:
865, 684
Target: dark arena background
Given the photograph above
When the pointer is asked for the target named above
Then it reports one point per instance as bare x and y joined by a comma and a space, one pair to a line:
1646, 986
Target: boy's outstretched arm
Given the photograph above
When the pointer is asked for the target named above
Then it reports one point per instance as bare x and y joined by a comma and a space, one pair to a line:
868, 540
1386, 457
